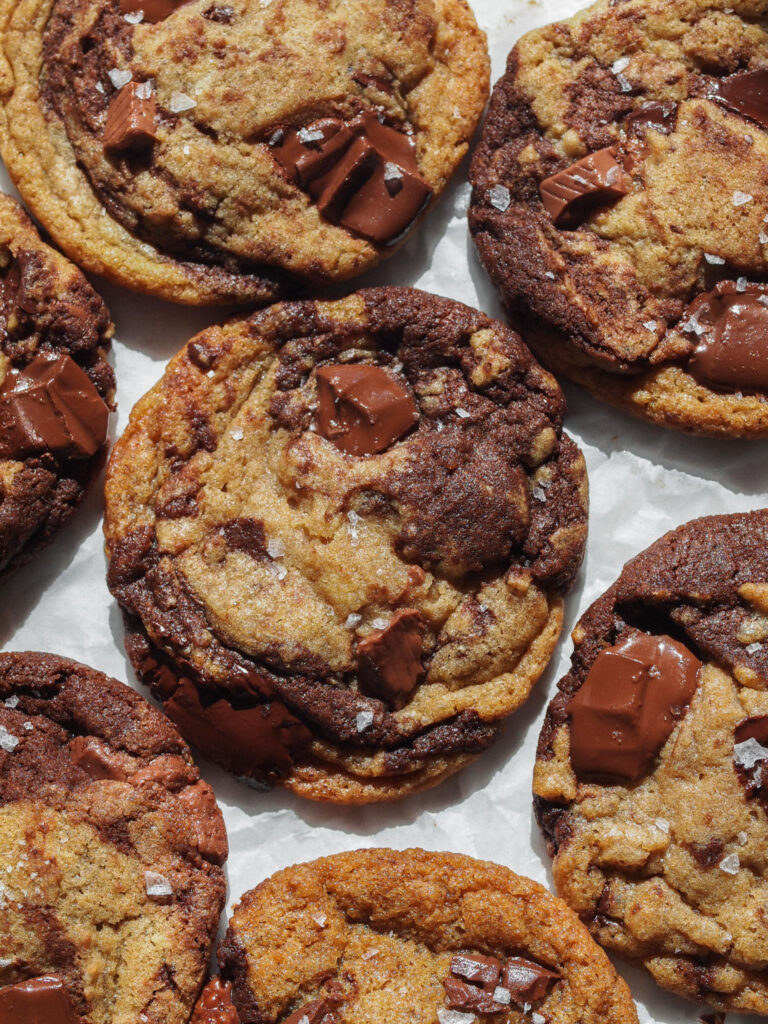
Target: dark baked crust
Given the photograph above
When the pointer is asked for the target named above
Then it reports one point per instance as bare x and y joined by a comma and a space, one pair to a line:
496, 491
55, 310
138, 805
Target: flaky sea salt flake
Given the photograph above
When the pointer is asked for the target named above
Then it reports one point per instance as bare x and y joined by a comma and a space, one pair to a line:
157, 885
710, 257
134, 17
650, 325
275, 547
748, 753
754, 648
741, 284
620, 65
730, 864
502, 996
363, 720
181, 102
499, 198
353, 619
8, 741
380, 623
742, 198
320, 920
12, 702
119, 77
144, 90
310, 135
463, 414
538, 1018
662, 824
455, 1017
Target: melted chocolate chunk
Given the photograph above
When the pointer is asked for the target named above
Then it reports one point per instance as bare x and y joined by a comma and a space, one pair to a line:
628, 705
153, 10
199, 802
662, 117
363, 409
472, 983
731, 324
527, 981
753, 729
598, 176
750, 755
215, 1005
131, 118
745, 93
41, 1000
389, 660
362, 174
319, 1011
51, 406
95, 758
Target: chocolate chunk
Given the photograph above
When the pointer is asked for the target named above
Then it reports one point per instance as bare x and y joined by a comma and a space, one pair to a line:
527, 981
200, 804
628, 705
389, 660
363, 409
473, 983
362, 174
745, 93
41, 1000
131, 118
153, 10
215, 1004
750, 754
51, 406
753, 729
598, 176
731, 323
662, 117
480, 970
222, 15
96, 759
317, 1012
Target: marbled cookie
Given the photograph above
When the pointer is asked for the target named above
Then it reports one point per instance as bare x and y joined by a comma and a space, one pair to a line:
414, 938
649, 776
620, 204
222, 151
111, 883
56, 387
340, 533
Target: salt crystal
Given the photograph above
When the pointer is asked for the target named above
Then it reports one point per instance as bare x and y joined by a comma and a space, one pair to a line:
538, 1018
550, 275
692, 323
499, 198
278, 571
741, 284
741, 198
181, 102
186, 151
392, 172
742, 837
12, 702
650, 325
620, 65
134, 17
352, 620
730, 864
763, 300
762, 238
5, 963
463, 414
144, 90
277, 137
455, 1017
99, 87
275, 548
711, 258
539, 494
119, 78
748, 753
625, 85
8, 742
754, 648
320, 919
662, 824
502, 995
353, 521
363, 720
310, 135
236, 434
380, 623
28, 727
157, 885
370, 954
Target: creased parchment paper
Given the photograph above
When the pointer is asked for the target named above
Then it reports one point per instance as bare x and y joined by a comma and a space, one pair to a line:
643, 482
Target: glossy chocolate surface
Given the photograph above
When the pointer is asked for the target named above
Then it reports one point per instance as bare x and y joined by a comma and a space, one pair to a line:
42, 1000
731, 325
598, 176
362, 409
745, 93
389, 660
131, 118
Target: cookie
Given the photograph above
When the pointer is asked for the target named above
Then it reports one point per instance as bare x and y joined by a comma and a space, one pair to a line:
111, 883
619, 206
414, 937
215, 152
648, 776
56, 387
340, 533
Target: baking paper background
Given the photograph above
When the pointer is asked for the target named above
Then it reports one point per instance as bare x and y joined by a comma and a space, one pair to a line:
643, 481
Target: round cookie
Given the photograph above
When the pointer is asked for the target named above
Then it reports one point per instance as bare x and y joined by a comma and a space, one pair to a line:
414, 937
647, 780
111, 883
340, 533
221, 152
56, 387
619, 206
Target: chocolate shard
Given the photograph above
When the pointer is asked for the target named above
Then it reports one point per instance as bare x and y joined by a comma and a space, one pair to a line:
527, 981
96, 759
628, 705
750, 755
731, 325
319, 1011
362, 174
389, 660
472, 984
215, 1004
745, 92
51, 406
480, 970
460, 995
598, 176
662, 117
755, 728
362, 409
42, 1000
153, 10
131, 119
199, 802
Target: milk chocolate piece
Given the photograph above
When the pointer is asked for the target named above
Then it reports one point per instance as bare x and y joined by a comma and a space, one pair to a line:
746, 93
51, 406
526, 980
472, 983
319, 1011
362, 174
389, 660
200, 804
598, 176
753, 729
628, 705
215, 1004
131, 118
96, 759
662, 117
153, 10
42, 1000
363, 409
732, 330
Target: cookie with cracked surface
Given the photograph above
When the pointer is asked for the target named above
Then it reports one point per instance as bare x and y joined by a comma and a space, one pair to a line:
344, 938
648, 776
619, 200
340, 533
56, 387
111, 883
225, 152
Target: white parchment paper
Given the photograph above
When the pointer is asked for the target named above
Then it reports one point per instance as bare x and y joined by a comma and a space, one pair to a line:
643, 482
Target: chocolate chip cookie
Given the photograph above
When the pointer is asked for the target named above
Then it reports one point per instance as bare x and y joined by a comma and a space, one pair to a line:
340, 533
620, 205
414, 938
56, 387
217, 152
111, 883
649, 775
